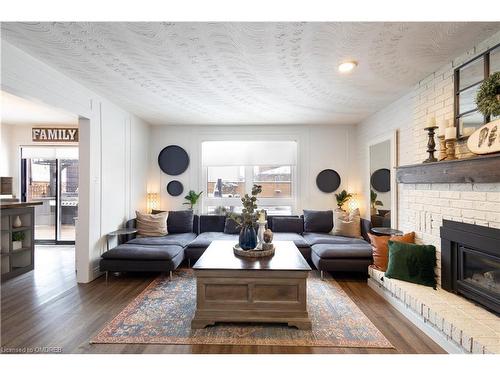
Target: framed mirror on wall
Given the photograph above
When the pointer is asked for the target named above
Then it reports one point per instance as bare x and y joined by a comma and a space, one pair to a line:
381, 181
468, 78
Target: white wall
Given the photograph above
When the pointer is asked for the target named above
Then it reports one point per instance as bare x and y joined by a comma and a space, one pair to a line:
379, 127
5, 150
319, 147
113, 151
422, 207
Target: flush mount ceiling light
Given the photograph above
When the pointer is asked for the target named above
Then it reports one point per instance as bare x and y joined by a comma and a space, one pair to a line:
347, 66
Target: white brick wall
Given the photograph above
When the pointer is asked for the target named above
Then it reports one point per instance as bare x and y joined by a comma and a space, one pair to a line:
422, 207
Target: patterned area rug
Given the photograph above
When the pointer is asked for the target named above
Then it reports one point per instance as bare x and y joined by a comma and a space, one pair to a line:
162, 314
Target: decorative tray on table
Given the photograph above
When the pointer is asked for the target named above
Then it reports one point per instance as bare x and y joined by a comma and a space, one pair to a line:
255, 253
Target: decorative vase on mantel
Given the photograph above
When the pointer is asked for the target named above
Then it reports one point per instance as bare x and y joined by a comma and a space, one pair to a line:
248, 237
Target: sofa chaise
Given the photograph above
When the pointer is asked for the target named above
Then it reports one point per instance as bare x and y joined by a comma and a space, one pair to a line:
187, 241
153, 254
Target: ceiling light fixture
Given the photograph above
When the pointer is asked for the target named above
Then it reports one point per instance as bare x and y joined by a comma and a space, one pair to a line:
347, 66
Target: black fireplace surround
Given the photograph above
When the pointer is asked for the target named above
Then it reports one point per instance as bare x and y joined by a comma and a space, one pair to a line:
470, 262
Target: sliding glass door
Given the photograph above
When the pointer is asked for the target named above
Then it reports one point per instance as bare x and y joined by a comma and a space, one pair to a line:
50, 175
41, 185
68, 199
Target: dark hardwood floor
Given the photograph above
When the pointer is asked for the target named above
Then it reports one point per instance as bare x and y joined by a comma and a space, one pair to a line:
46, 308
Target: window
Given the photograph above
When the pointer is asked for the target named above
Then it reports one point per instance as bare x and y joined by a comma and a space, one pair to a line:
225, 182
270, 164
468, 79
276, 180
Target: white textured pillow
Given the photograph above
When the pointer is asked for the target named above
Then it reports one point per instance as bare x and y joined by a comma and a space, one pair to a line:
346, 224
152, 225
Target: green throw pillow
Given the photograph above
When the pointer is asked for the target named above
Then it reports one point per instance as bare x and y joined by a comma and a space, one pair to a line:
413, 263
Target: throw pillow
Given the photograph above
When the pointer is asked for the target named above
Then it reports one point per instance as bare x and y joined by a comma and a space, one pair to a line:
381, 250
288, 225
346, 224
231, 226
318, 221
151, 225
412, 263
180, 221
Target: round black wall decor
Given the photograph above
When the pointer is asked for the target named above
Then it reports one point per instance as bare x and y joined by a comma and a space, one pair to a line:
381, 180
175, 188
173, 160
328, 180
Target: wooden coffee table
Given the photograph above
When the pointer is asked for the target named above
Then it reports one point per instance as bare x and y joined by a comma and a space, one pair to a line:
236, 289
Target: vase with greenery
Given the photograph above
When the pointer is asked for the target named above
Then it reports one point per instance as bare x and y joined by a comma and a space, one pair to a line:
374, 202
342, 198
192, 198
246, 220
17, 240
488, 96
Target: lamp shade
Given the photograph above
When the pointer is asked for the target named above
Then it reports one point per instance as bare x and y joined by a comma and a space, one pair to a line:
153, 201
353, 202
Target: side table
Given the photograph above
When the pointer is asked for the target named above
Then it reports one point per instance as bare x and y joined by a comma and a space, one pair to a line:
119, 232
384, 231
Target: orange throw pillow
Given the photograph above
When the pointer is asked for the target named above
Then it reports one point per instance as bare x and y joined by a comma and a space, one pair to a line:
380, 248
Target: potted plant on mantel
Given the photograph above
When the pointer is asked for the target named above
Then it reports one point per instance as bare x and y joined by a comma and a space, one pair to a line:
247, 219
342, 199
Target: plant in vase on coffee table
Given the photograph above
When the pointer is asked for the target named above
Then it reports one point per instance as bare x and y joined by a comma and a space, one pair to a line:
247, 219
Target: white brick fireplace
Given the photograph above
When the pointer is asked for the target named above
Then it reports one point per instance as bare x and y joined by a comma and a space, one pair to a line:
422, 207
454, 322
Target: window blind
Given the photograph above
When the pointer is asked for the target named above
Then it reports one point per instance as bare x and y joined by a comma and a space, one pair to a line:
243, 153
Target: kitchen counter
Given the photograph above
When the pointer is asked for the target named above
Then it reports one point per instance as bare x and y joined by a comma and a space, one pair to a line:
6, 205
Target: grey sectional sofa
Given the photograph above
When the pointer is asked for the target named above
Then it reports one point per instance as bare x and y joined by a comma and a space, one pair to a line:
309, 232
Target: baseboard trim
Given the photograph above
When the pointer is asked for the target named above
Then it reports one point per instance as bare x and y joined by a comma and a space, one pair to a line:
96, 273
435, 335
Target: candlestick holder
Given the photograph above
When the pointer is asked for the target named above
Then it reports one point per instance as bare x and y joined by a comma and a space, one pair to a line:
442, 147
260, 234
450, 149
431, 144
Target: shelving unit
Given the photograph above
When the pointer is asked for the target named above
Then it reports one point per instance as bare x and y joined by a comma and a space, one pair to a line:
17, 261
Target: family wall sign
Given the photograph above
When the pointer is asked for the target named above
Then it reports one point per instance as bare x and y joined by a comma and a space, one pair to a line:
54, 134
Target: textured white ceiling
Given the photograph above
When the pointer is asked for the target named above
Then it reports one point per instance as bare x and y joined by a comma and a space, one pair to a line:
247, 73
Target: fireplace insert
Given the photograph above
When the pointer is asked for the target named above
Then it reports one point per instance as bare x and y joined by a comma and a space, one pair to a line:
470, 262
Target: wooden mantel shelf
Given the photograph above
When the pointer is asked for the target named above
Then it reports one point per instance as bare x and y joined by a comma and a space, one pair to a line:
473, 170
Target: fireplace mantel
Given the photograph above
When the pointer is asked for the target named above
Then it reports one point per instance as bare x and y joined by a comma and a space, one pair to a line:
473, 170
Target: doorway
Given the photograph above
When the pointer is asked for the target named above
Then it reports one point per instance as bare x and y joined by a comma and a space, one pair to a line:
50, 174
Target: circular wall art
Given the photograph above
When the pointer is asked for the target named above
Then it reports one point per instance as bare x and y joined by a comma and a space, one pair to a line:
328, 180
175, 188
381, 180
173, 160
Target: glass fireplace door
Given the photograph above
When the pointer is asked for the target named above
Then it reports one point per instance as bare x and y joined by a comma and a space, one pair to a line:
480, 271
